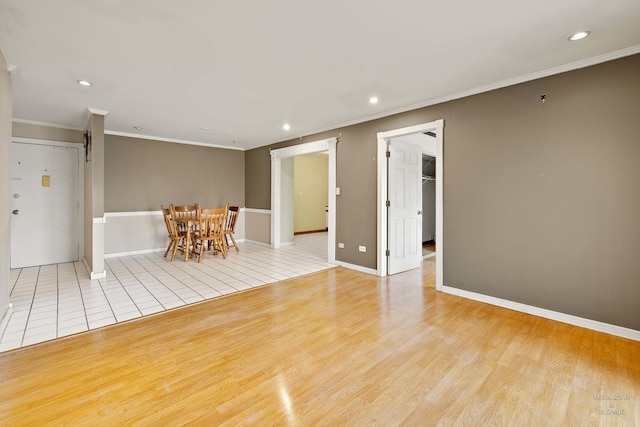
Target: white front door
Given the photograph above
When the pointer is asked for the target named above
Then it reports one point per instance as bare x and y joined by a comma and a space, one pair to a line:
405, 206
45, 204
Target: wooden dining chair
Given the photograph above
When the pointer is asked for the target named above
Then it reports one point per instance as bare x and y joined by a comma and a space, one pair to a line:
185, 217
210, 238
176, 240
229, 227
181, 213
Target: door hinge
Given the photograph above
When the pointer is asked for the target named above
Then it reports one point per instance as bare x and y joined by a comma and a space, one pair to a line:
388, 154
388, 203
387, 252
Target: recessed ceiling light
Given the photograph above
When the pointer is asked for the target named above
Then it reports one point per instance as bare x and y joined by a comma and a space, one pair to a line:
235, 142
205, 129
373, 100
84, 83
578, 36
286, 126
137, 128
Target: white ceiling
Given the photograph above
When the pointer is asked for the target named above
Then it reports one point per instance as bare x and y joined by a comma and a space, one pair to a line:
214, 72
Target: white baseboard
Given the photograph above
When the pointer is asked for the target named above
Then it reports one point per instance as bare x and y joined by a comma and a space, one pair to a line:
356, 267
129, 253
256, 211
595, 325
431, 255
96, 276
254, 242
144, 251
93, 275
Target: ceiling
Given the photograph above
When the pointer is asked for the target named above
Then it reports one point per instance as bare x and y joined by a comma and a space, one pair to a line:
214, 72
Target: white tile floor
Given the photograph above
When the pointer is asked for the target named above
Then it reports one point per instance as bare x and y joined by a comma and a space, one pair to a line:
53, 301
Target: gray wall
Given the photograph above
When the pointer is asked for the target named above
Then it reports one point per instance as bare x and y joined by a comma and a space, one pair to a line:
49, 133
5, 183
541, 201
141, 175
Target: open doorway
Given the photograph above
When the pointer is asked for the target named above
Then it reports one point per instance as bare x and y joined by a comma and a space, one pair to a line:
310, 193
282, 166
431, 146
428, 206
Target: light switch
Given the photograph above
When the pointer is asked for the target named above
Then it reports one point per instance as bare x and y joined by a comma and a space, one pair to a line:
46, 181
337, 191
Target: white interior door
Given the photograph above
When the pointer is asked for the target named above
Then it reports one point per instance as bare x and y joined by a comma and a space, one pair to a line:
405, 206
45, 204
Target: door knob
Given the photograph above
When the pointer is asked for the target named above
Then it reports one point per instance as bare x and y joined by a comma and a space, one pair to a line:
419, 212
16, 211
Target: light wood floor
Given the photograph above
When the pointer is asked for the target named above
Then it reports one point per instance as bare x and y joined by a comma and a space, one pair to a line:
428, 247
332, 348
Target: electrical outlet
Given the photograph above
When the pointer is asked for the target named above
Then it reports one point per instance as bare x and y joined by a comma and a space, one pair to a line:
337, 191
341, 245
362, 248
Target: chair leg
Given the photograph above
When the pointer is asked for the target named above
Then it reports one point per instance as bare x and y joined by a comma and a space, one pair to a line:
175, 248
201, 251
234, 243
228, 236
223, 249
168, 248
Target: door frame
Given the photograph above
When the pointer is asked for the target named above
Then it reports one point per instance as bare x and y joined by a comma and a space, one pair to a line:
77, 145
383, 140
277, 155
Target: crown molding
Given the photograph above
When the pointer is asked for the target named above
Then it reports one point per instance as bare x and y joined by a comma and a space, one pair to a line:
90, 112
51, 125
609, 56
173, 140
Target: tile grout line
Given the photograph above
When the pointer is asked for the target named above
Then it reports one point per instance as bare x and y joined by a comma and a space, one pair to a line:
16, 281
132, 259
106, 299
30, 307
139, 281
8, 320
114, 276
179, 280
84, 307
184, 269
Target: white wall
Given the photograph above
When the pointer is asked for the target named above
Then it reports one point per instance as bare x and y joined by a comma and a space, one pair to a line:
286, 201
5, 186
